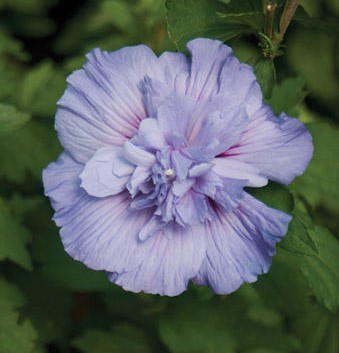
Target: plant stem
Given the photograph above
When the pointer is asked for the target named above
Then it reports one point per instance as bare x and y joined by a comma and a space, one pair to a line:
269, 18
289, 11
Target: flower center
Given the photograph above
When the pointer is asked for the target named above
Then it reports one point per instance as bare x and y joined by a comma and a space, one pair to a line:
170, 173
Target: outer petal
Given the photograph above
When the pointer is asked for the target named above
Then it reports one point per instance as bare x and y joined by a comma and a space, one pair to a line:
167, 261
240, 245
61, 181
101, 232
104, 234
280, 148
103, 103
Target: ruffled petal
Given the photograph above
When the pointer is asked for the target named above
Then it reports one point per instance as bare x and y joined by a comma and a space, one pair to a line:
106, 173
103, 103
238, 86
167, 261
193, 208
175, 67
235, 169
225, 191
208, 58
240, 244
173, 118
137, 155
174, 76
149, 135
280, 148
219, 131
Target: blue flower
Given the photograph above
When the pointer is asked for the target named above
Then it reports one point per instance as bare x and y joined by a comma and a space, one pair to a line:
150, 187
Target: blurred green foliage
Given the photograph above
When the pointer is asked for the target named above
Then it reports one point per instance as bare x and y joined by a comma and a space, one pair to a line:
50, 303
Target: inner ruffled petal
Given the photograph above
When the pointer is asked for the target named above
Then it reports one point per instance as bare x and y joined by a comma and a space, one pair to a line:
106, 173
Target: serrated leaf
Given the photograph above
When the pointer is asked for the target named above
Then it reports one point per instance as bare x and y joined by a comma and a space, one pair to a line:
15, 335
9, 45
62, 270
35, 146
49, 307
248, 20
322, 270
124, 338
319, 184
274, 195
318, 330
223, 324
297, 239
114, 12
287, 95
284, 278
196, 329
11, 118
211, 18
10, 295
265, 339
196, 18
13, 239
41, 88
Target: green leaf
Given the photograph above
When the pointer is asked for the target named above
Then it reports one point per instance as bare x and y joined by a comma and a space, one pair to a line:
15, 335
322, 270
318, 330
49, 307
114, 12
274, 195
13, 239
284, 278
35, 146
10, 295
298, 240
11, 46
223, 324
319, 71
259, 338
287, 95
124, 338
41, 88
211, 18
61, 269
196, 329
10, 118
196, 18
319, 184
